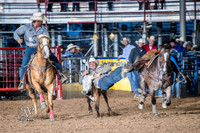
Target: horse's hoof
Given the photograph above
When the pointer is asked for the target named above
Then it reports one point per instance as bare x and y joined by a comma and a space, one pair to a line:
52, 118
155, 115
43, 105
140, 106
90, 111
164, 105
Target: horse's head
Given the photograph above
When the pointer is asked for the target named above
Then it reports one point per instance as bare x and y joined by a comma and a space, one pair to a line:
44, 45
164, 59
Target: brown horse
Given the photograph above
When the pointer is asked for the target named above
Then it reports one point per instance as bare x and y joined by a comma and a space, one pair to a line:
41, 76
96, 92
157, 75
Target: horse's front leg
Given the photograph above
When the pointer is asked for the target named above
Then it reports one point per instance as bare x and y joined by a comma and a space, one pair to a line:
46, 100
153, 101
144, 94
166, 97
40, 92
50, 89
32, 95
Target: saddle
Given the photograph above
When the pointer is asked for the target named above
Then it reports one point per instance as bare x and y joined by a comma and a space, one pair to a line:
28, 71
146, 59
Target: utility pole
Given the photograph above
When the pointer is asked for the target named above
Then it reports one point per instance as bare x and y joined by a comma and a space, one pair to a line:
182, 20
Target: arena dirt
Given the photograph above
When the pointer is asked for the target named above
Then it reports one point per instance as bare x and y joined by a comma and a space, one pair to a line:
183, 116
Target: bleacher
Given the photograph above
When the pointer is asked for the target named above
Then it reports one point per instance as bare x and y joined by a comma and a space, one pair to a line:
19, 11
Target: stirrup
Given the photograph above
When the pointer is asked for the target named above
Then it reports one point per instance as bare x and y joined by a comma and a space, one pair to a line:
63, 78
21, 86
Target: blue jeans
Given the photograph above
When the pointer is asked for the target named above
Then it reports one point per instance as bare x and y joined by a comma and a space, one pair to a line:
107, 81
27, 56
134, 80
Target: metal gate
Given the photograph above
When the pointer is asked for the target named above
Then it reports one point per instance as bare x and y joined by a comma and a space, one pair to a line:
10, 61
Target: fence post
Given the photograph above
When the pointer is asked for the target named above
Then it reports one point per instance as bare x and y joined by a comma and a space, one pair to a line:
58, 84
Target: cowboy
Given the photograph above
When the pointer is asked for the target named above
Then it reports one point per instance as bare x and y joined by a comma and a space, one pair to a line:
70, 53
100, 77
30, 32
150, 45
179, 47
134, 56
126, 52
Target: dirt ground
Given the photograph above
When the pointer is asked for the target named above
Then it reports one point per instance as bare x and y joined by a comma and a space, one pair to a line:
72, 116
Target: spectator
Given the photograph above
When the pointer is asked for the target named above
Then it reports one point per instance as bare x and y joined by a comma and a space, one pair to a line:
188, 46
134, 56
64, 6
150, 45
70, 53
179, 47
29, 32
38, 4
126, 53
140, 2
91, 5
76, 6
110, 5
49, 9
79, 52
172, 46
99, 75
157, 2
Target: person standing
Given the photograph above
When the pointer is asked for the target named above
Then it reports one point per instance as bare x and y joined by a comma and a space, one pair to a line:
30, 32
134, 56
70, 53
179, 47
126, 52
150, 45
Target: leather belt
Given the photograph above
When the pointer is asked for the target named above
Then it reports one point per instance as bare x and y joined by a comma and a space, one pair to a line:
31, 47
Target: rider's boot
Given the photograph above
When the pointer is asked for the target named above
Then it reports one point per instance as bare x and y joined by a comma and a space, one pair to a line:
21, 86
63, 78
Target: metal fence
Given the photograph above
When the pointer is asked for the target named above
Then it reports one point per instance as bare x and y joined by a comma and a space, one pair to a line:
10, 61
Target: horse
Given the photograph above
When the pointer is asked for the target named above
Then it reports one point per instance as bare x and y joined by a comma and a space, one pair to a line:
96, 92
158, 74
41, 76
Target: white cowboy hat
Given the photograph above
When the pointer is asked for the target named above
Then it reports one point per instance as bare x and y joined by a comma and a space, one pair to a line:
38, 16
125, 39
91, 60
151, 38
187, 43
70, 46
42, 35
139, 41
180, 39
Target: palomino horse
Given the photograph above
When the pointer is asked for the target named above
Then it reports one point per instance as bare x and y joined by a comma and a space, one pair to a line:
41, 76
157, 75
97, 93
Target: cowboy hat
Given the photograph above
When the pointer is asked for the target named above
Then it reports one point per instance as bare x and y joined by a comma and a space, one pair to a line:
91, 60
125, 39
151, 38
78, 48
70, 46
38, 16
139, 41
43, 36
180, 39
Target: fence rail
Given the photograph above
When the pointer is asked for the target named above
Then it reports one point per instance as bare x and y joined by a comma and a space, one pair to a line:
10, 61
